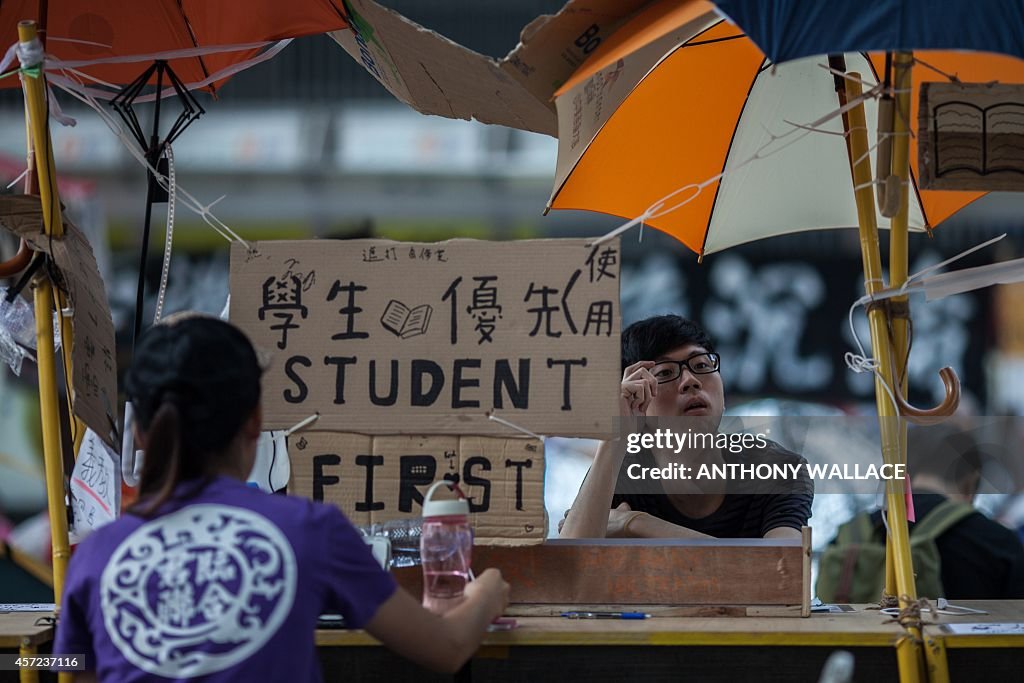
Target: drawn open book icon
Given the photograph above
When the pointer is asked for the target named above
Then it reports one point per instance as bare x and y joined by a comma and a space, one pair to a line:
405, 322
979, 139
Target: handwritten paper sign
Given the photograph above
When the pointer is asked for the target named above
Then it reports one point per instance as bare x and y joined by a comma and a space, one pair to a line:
385, 337
95, 487
378, 479
93, 363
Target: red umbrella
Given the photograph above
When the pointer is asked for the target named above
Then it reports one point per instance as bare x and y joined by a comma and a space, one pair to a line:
90, 30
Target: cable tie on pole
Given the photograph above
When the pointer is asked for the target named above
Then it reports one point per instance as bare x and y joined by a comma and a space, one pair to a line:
491, 416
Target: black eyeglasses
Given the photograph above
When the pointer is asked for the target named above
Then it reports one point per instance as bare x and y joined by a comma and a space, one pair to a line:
671, 370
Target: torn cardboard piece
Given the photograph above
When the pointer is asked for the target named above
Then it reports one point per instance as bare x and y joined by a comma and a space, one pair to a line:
553, 46
383, 337
437, 76
434, 75
93, 359
375, 479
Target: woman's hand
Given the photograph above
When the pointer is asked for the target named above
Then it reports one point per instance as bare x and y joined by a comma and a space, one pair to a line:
638, 389
491, 590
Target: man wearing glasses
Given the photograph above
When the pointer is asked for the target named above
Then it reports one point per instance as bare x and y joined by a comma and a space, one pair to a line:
672, 371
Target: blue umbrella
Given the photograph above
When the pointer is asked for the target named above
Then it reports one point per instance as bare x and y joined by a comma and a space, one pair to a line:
790, 29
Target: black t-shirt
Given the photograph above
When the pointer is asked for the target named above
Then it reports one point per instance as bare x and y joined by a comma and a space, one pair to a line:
749, 509
981, 559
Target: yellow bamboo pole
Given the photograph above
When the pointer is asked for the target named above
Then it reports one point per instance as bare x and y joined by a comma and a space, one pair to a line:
899, 256
908, 651
27, 675
934, 648
35, 98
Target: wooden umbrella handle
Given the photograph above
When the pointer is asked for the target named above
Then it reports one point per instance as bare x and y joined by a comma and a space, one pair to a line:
17, 263
939, 413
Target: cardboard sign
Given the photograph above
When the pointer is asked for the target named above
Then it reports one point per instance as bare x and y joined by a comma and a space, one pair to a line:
93, 363
971, 136
384, 337
377, 479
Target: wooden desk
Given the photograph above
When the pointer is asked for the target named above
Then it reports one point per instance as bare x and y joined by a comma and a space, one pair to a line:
1011, 611
18, 629
853, 629
656, 649
977, 656
20, 632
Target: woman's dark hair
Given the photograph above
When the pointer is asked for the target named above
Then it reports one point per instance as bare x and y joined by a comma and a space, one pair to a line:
193, 384
653, 337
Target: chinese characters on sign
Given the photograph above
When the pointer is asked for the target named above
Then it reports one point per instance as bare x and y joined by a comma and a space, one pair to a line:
387, 337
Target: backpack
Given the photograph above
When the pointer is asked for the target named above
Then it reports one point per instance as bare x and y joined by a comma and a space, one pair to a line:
852, 568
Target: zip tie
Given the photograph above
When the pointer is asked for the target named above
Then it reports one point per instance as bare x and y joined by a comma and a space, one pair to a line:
512, 425
91, 43
301, 424
17, 180
957, 257
56, 113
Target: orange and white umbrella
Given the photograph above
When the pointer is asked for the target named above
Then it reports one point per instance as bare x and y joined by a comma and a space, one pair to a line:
680, 119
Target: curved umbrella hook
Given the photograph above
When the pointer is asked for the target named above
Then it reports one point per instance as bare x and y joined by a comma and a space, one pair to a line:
16, 263
932, 416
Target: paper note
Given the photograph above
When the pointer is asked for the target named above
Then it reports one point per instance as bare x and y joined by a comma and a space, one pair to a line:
992, 629
95, 488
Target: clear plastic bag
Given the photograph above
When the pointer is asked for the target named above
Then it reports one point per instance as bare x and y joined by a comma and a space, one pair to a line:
404, 535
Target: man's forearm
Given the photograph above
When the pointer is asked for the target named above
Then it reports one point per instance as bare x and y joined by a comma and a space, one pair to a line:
588, 517
648, 526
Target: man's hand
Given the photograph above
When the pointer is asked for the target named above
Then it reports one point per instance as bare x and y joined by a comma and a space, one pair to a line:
618, 519
638, 389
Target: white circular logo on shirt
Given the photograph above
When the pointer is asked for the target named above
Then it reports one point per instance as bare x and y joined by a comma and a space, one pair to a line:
197, 591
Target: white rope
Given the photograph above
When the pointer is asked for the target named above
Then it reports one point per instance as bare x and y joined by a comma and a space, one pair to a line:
657, 209
165, 271
860, 362
71, 67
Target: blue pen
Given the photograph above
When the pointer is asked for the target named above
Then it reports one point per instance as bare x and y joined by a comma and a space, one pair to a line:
605, 615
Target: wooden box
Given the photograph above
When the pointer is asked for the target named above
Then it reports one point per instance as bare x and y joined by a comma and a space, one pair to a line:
730, 577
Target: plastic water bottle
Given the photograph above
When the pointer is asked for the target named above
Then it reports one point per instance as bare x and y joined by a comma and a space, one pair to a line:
446, 545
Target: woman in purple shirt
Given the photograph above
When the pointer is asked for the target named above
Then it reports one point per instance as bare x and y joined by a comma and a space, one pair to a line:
209, 578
